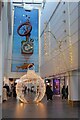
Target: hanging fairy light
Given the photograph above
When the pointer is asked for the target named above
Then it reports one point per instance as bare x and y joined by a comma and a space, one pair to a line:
70, 53
45, 43
31, 77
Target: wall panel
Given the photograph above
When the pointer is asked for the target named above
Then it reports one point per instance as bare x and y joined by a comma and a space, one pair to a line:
63, 50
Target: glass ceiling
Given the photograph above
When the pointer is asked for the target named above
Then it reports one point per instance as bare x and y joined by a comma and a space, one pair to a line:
28, 1
28, 4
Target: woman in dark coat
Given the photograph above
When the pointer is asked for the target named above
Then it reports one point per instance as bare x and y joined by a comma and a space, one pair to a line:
67, 92
49, 92
63, 92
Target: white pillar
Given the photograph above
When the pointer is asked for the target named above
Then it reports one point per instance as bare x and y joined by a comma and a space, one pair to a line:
73, 86
79, 86
66, 81
0, 65
0, 61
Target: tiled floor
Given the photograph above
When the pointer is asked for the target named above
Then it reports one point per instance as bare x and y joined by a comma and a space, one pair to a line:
52, 109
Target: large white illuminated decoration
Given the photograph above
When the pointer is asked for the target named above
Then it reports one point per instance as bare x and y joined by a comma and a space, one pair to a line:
30, 77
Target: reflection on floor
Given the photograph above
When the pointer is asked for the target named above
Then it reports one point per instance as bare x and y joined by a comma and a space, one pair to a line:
30, 96
52, 109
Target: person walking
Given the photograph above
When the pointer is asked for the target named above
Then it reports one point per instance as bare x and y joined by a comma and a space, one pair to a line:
63, 92
49, 92
67, 92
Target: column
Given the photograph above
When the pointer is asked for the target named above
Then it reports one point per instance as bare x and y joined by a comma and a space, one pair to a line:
0, 62
73, 83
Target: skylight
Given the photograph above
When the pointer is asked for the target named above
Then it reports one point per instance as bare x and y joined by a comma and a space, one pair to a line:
28, 4
28, 1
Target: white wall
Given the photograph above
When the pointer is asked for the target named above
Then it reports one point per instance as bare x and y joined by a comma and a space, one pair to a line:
0, 60
3, 38
4, 35
62, 52
47, 12
73, 86
61, 58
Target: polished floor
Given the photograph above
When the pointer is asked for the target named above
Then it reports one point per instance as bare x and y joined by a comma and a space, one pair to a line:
0, 111
57, 108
